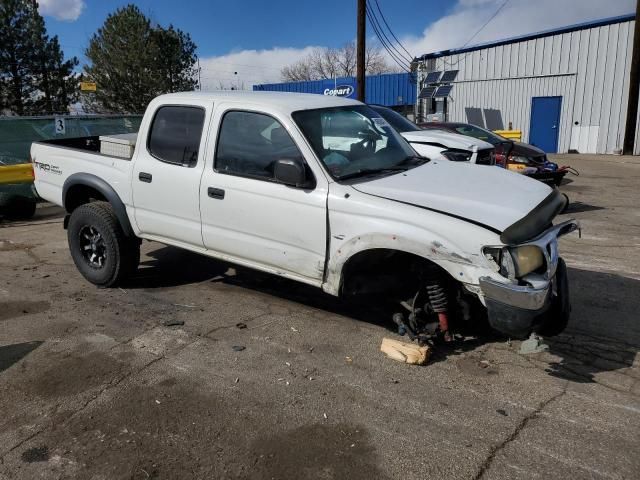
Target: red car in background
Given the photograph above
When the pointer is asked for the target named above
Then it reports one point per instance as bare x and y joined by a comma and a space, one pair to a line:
517, 156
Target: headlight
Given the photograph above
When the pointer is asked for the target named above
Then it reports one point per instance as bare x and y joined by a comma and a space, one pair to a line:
526, 259
457, 155
515, 262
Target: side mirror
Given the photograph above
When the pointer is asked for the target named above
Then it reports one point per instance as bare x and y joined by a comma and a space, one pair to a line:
290, 172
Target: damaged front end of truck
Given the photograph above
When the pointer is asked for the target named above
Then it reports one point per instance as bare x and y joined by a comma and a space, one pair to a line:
518, 286
536, 297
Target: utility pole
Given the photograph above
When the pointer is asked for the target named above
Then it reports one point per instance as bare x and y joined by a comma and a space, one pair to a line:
634, 89
360, 49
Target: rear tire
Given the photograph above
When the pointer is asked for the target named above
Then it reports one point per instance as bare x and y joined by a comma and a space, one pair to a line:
103, 254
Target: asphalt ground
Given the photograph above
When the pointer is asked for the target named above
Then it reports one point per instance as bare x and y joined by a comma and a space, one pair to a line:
95, 385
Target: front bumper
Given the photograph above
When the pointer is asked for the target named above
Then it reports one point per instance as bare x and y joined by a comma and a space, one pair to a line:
518, 311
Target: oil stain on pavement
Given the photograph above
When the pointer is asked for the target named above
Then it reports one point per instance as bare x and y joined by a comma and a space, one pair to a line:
35, 454
9, 310
71, 374
316, 451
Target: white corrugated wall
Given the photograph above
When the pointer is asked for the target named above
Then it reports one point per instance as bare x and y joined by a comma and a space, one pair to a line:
589, 68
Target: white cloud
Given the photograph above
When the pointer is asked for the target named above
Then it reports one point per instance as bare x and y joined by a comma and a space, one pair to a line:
518, 17
68, 10
252, 67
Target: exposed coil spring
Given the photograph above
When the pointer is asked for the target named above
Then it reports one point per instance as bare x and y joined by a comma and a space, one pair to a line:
437, 297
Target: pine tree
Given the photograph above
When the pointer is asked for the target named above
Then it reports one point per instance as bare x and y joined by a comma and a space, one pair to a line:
133, 61
53, 76
34, 77
175, 59
16, 51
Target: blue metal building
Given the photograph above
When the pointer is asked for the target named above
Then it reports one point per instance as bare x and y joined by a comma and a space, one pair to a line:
390, 89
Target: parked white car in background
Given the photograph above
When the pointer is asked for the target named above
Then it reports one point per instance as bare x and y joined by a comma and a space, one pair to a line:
434, 143
320, 190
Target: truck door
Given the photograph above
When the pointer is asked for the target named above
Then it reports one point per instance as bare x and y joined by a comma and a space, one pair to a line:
250, 218
167, 172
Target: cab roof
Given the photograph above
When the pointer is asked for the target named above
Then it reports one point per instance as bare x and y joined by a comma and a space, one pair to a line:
282, 101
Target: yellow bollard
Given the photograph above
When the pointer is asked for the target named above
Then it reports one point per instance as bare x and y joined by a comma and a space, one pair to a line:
14, 174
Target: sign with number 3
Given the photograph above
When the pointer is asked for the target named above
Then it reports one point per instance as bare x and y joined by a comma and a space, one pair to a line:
60, 125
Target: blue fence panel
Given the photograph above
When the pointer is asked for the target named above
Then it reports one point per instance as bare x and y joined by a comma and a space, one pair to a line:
390, 89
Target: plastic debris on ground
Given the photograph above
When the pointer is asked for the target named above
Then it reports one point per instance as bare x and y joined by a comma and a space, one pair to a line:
405, 352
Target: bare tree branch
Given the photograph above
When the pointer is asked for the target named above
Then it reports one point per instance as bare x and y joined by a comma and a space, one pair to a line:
324, 63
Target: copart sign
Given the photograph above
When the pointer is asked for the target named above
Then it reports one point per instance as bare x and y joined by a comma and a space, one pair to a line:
339, 91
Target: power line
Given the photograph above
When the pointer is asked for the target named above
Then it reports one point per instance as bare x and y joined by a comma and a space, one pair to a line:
382, 42
391, 31
375, 23
391, 54
486, 23
389, 43
495, 14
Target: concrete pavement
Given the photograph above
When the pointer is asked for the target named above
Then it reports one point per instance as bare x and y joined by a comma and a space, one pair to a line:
92, 385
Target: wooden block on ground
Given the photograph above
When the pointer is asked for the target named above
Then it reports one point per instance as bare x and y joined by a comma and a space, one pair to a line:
405, 352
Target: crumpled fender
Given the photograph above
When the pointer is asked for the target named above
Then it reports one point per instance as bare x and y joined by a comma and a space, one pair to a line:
464, 267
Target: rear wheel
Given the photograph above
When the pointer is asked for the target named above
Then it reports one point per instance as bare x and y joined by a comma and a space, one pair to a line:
103, 254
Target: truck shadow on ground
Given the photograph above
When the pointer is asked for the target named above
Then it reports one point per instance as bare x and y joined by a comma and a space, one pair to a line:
603, 334
10, 354
44, 213
172, 267
579, 207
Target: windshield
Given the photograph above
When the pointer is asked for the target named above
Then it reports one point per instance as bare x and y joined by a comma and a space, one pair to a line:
355, 141
397, 121
480, 133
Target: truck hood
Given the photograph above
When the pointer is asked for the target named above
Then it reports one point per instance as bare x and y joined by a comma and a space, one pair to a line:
447, 139
490, 196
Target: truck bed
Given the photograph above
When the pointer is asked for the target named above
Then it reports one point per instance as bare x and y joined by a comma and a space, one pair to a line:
90, 144
54, 161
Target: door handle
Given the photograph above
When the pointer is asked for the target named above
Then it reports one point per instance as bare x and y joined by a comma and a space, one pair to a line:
145, 177
215, 193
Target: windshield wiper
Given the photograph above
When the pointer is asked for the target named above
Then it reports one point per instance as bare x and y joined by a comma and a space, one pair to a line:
409, 162
372, 171
414, 161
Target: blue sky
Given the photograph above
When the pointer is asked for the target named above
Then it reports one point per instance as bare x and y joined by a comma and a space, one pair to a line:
219, 27
257, 38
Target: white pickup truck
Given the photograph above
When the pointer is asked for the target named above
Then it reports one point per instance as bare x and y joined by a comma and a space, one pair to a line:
323, 191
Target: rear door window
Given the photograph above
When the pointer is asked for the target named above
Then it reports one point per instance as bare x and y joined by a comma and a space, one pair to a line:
175, 134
